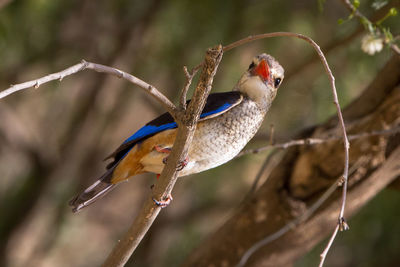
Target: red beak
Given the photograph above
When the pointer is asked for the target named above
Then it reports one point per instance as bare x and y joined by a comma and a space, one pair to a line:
262, 70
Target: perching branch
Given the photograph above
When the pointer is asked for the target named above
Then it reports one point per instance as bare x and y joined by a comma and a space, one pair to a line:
150, 89
187, 125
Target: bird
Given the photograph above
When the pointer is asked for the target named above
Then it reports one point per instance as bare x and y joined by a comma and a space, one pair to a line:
227, 123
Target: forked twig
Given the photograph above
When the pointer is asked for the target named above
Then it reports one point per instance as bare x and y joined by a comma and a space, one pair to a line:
189, 77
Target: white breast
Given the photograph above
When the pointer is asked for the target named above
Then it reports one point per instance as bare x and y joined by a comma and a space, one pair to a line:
218, 140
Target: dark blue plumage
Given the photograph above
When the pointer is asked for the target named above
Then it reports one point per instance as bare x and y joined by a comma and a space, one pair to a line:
149, 130
216, 104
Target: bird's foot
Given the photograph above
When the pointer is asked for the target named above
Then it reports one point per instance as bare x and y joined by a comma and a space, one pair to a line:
167, 150
182, 164
163, 203
160, 149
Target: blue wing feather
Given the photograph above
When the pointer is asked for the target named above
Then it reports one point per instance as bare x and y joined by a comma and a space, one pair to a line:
215, 111
149, 130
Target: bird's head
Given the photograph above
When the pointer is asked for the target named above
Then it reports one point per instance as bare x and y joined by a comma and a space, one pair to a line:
262, 80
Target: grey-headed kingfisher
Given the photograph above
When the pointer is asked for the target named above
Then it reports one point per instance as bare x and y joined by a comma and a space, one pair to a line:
227, 123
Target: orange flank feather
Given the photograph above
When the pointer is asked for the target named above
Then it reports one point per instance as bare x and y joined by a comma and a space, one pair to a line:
144, 157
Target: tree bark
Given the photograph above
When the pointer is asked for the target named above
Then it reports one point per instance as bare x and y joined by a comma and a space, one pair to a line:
305, 173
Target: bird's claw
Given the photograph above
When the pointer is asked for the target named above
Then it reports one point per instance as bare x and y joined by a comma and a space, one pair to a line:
180, 165
160, 149
163, 203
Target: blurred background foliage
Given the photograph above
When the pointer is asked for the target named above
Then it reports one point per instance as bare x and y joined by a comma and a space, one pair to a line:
53, 140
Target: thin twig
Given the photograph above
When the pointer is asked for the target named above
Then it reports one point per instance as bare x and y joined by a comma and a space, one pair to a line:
189, 77
272, 134
265, 164
150, 89
353, 10
37, 82
328, 246
316, 141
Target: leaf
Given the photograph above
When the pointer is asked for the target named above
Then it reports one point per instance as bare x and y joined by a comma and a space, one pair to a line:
388, 34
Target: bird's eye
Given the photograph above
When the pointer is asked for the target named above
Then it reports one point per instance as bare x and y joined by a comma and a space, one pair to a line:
277, 82
252, 65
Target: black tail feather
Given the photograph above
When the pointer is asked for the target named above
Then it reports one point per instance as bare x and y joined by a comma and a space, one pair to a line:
93, 192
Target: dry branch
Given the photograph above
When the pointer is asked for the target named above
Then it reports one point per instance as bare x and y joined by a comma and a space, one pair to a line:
124, 249
150, 89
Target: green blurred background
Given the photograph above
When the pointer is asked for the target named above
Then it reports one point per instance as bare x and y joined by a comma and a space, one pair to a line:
53, 139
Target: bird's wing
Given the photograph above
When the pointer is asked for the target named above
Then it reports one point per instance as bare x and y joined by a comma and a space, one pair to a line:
217, 104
